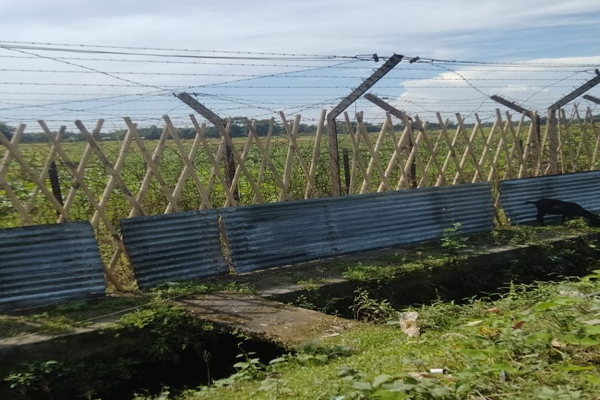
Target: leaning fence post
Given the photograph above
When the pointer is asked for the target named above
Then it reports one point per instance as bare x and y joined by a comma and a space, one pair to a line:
409, 144
334, 156
221, 126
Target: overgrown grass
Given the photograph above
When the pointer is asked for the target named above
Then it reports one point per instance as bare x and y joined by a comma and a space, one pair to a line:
539, 341
75, 314
455, 247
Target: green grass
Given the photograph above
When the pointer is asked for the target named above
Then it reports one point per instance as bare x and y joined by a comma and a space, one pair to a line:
537, 342
80, 313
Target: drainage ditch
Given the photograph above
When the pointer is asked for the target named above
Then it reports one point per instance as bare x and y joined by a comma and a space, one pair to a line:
459, 277
194, 357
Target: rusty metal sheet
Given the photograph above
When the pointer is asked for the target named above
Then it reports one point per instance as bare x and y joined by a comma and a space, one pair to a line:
582, 188
48, 264
272, 235
174, 247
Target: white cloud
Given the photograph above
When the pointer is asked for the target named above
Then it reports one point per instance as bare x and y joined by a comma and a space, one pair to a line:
535, 85
454, 29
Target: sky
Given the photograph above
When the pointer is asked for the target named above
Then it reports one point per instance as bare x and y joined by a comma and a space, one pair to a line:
61, 61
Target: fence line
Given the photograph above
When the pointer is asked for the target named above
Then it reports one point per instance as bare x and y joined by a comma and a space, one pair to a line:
106, 182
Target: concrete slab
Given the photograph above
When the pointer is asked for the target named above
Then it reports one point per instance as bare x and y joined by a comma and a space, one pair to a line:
264, 319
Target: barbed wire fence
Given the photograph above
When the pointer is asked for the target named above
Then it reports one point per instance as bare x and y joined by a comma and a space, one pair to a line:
431, 139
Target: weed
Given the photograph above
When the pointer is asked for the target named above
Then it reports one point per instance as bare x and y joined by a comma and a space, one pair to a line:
311, 284
452, 240
304, 301
34, 378
367, 309
516, 235
315, 350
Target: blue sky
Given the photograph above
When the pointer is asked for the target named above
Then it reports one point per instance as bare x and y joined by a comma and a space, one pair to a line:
556, 43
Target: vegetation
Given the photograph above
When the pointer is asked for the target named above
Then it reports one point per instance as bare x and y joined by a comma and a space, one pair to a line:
80, 313
503, 344
575, 157
537, 341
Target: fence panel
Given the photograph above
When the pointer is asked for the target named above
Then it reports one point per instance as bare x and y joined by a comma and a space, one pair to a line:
174, 247
47, 264
272, 235
581, 188
375, 221
105, 181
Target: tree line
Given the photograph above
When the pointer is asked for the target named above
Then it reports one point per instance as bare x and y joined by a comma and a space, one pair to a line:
238, 129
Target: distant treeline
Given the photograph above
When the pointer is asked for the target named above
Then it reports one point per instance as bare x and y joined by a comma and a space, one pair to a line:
238, 129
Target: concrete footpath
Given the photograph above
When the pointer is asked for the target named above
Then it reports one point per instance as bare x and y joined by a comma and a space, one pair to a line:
263, 319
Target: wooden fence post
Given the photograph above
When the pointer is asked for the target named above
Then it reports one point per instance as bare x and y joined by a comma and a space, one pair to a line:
55, 184
346, 170
551, 126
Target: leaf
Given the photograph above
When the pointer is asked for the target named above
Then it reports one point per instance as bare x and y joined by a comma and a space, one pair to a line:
557, 301
518, 325
593, 379
379, 379
571, 367
546, 305
362, 386
494, 350
268, 385
402, 386
592, 330
383, 394
503, 366
474, 354
322, 357
538, 338
278, 360
565, 301
581, 341
345, 371
474, 323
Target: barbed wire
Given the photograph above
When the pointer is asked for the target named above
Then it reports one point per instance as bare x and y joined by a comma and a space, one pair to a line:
263, 94
284, 75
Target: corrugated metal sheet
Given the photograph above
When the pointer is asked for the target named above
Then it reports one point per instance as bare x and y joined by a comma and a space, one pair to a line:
46, 264
174, 247
271, 235
582, 188
374, 221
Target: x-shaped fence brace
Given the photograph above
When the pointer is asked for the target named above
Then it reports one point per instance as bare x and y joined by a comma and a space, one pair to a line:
419, 157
